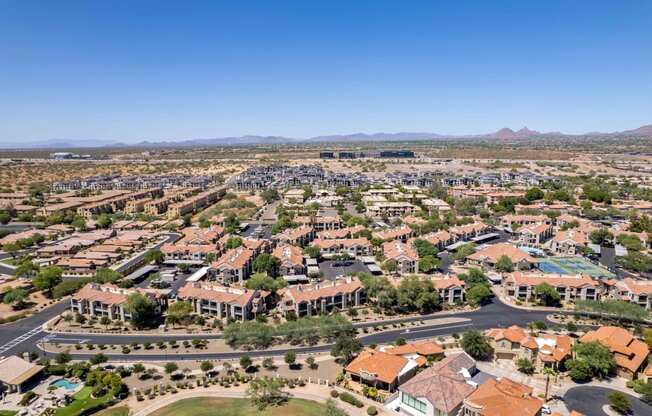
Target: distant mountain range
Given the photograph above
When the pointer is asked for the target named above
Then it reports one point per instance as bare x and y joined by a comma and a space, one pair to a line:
505, 134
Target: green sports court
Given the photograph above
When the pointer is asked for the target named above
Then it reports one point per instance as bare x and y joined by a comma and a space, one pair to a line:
573, 266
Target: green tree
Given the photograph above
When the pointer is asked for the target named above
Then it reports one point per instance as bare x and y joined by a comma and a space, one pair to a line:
26, 268
473, 277
547, 294
260, 281
266, 263
478, 294
592, 359
425, 248
534, 194
178, 312
504, 264
416, 294
312, 252
47, 279
104, 221
270, 195
601, 236
525, 366
5, 217
187, 220
11, 248
619, 402
464, 251
206, 366
265, 392
171, 367
428, 264
233, 242
245, 362
290, 358
630, 242
106, 275
476, 345
346, 348
15, 297
155, 256
79, 223
142, 309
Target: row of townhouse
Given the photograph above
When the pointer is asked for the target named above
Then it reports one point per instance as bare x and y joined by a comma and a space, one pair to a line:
522, 286
116, 182
224, 302
110, 301
192, 204
314, 299
158, 206
341, 233
300, 236
404, 255
402, 233
390, 209
320, 222
353, 247
117, 203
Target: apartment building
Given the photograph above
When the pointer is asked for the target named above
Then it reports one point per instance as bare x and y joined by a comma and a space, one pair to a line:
210, 299
234, 266
440, 239
534, 235
307, 300
391, 209
353, 247
569, 242
489, 256
291, 260
402, 233
341, 233
404, 255
435, 205
513, 221
520, 285
382, 370
193, 203
301, 236
110, 300
450, 288
634, 291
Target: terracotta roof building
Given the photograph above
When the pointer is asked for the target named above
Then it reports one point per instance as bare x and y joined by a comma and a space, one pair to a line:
629, 352
323, 297
543, 350
291, 260
490, 255
502, 397
520, 285
223, 302
405, 256
109, 300
439, 390
234, 266
382, 370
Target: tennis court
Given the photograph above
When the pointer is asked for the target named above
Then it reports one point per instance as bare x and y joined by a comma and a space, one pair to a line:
573, 266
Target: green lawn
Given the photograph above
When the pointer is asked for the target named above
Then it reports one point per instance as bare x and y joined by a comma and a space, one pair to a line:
82, 401
7, 413
213, 406
115, 411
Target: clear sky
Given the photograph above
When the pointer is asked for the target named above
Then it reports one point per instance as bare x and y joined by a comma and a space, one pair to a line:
136, 70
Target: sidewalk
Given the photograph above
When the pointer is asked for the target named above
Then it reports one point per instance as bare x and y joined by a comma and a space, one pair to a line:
310, 392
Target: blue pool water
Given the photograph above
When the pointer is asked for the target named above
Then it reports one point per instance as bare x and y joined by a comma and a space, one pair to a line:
63, 383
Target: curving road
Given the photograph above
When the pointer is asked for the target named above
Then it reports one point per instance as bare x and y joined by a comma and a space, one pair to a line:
495, 314
589, 400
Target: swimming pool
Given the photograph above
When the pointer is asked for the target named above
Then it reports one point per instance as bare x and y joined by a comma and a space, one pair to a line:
64, 384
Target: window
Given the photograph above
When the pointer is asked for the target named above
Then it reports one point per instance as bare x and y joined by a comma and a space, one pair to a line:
413, 403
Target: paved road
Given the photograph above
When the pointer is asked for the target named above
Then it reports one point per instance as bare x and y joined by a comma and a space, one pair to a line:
496, 314
589, 400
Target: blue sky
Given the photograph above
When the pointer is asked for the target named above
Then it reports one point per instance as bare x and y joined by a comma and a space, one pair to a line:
136, 70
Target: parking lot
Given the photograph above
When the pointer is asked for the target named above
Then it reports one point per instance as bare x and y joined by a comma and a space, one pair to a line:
332, 269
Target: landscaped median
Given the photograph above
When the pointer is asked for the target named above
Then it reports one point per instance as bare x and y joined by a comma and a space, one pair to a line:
245, 337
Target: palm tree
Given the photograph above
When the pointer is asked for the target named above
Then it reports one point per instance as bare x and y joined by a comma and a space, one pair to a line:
548, 371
